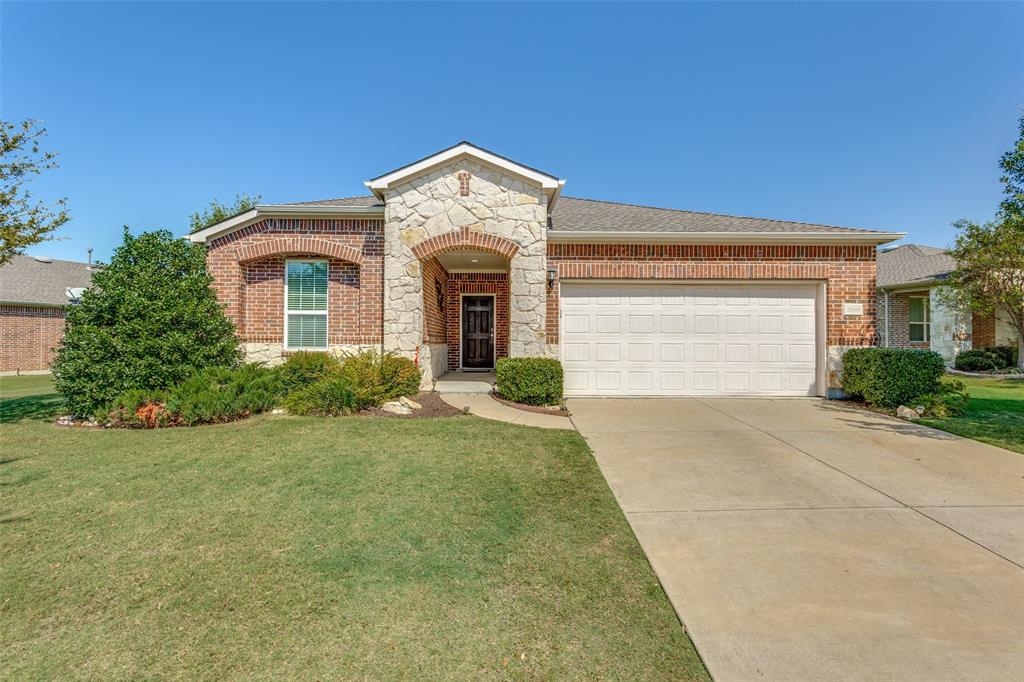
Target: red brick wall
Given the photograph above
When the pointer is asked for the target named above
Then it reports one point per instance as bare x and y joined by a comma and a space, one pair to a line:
253, 291
27, 335
983, 330
435, 316
899, 319
848, 270
477, 283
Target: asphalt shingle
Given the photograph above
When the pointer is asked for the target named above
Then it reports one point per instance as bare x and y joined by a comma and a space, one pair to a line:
913, 264
33, 281
572, 214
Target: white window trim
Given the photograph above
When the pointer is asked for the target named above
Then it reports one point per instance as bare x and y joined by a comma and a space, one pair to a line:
927, 323
327, 322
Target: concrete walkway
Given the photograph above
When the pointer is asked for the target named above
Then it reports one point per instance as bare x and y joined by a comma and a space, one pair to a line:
483, 405
806, 540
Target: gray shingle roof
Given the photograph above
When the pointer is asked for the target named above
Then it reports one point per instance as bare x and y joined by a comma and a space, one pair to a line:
589, 215
913, 264
28, 280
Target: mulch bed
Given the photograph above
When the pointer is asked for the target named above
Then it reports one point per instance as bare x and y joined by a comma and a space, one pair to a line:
432, 404
560, 412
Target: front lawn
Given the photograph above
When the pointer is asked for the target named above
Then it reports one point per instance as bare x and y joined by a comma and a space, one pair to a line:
305, 548
995, 414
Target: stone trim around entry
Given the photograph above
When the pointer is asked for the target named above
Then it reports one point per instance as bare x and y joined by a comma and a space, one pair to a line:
465, 238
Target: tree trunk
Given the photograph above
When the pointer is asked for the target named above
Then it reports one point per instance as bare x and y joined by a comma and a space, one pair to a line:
1020, 350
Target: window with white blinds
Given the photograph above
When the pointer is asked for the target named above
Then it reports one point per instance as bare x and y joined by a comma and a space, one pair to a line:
305, 304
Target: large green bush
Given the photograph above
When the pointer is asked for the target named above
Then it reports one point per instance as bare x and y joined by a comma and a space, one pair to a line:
305, 367
889, 377
149, 321
531, 381
377, 378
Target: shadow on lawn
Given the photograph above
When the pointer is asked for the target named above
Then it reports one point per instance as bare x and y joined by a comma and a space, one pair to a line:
44, 406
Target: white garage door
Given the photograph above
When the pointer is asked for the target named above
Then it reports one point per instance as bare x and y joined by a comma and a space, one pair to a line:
682, 339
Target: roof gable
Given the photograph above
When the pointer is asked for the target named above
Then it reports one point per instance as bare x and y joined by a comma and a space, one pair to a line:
911, 264
549, 183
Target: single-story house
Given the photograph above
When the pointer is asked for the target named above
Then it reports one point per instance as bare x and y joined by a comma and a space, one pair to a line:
465, 256
34, 292
914, 314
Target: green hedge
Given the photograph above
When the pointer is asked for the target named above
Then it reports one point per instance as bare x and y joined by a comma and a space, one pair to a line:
889, 377
531, 381
986, 359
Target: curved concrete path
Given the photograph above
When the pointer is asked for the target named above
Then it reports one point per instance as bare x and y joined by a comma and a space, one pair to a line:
807, 540
483, 405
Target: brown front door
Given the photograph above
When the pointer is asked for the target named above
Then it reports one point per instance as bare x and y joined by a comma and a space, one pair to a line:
477, 332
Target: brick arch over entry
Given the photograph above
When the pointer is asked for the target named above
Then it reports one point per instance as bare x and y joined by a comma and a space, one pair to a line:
299, 246
465, 239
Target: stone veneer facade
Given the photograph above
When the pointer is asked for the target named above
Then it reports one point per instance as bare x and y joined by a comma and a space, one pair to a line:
463, 205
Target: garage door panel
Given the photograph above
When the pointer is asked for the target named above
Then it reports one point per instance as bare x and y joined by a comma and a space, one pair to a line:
625, 339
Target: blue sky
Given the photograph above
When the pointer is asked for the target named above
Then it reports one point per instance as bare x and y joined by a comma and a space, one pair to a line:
886, 116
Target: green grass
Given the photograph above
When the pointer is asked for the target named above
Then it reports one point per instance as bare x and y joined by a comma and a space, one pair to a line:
995, 414
27, 397
304, 548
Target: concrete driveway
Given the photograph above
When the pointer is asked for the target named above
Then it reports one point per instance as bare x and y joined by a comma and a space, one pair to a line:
805, 540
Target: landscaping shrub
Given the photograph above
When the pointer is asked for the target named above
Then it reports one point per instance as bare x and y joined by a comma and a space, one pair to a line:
889, 377
949, 400
377, 378
149, 320
218, 394
331, 396
137, 409
531, 381
988, 359
305, 367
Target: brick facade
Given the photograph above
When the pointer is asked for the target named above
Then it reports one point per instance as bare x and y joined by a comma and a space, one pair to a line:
899, 319
28, 337
983, 330
849, 272
460, 283
248, 272
435, 296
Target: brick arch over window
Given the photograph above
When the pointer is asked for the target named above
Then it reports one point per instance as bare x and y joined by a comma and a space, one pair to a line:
465, 239
299, 246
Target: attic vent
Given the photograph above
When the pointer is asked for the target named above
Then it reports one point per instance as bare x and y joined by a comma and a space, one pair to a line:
43, 259
463, 183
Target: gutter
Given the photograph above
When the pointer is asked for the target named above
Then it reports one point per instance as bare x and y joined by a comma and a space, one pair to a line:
32, 304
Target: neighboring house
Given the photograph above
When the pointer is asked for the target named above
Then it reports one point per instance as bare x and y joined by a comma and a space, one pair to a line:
912, 313
34, 292
465, 256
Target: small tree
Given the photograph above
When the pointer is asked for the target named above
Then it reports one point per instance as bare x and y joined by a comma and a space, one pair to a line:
217, 211
1012, 164
24, 221
989, 275
148, 321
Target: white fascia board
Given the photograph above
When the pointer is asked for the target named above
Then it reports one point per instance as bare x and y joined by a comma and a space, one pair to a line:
912, 286
547, 182
556, 237
281, 211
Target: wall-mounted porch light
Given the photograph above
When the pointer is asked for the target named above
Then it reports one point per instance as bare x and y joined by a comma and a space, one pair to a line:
552, 274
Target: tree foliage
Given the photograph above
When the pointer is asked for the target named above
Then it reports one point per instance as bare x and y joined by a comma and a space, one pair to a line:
1012, 164
148, 321
23, 220
216, 211
989, 276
